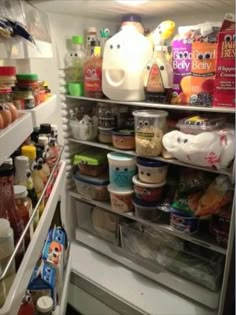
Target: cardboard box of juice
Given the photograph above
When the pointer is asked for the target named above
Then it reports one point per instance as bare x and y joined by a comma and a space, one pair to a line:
224, 89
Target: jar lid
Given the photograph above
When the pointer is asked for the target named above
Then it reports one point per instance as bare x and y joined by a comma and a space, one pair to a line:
43, 140
150, 113
22, 89
44, 304
5, 91
5, 228
21, 161
27, 76
45, 128
77, 39
92, 29
131, 18
8, 71
20, 191
149, 162
6, 170
29, 151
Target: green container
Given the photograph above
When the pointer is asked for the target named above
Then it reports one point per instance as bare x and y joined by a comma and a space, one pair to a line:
91, 157
76, 89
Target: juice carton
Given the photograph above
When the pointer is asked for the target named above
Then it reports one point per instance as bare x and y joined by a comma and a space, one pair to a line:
203, 72
224, 93
182, 63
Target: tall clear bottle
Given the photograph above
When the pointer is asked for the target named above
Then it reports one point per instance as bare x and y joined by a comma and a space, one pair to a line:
74, 71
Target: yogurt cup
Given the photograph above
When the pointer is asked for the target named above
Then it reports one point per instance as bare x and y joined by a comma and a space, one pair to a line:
122, 167
151, 171
148, 192
121, 200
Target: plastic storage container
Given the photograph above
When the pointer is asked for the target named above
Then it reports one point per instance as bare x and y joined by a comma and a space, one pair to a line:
150, 126
151, 171
92, 187
105, 135
145, 210
148, 192
183, 222
91, 162
121, 169
121, 200
197, 124
107, 115
85, 130
123, 139
122, 74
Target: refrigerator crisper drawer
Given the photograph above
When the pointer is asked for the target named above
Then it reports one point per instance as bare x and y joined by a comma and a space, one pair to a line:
98, 221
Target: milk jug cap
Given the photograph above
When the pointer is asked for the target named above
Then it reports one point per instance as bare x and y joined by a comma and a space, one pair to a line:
131, 18
78, 39
5, 229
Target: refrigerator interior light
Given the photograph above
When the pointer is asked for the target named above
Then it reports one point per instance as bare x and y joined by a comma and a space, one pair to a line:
132, 2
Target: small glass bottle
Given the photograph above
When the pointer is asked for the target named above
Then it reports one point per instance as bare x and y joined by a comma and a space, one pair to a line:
44, 305
24, 207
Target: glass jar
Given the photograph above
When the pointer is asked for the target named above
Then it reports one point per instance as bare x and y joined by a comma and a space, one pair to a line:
5, 95
23, 97
107, 115
24, 208
8, 208
7, 76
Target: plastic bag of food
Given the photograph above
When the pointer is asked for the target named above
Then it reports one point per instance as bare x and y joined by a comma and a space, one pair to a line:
218, 194
187, 203
192, 180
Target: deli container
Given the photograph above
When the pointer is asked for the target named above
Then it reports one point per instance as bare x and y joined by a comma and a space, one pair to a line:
197, 124
148, 192
122, 167
123, 139
151, 171
105, 135
184, 222
121, 200
94, 188
91, 162
146, 211
150, 126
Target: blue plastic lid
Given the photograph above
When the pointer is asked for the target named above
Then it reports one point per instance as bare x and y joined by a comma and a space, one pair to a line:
131, 18
150, 163
99, 181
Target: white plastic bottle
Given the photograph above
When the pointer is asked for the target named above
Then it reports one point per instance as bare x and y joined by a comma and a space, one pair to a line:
6, 250
125, 57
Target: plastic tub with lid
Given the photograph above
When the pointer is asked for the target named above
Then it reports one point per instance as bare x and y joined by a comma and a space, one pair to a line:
148, 192
146, 210
94, 188
121, 199
123, 139
122, 168
150, 126
197, 124
151, 171
184, 222
91, 162
105, 135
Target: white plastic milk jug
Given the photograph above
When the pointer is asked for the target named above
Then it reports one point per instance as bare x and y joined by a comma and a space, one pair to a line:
125, 57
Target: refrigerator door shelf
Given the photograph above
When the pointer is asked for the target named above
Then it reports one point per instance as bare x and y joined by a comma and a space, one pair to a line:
21, 281
44, 111
14, 135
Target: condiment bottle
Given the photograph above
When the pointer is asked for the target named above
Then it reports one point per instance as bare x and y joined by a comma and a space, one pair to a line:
38, 185
6, 250
33, 196
21, 167
8, 208
44, 305
30, 152
93, 75
24, 208
91, 36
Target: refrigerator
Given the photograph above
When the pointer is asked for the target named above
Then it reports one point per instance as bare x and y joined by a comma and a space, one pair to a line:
100, 277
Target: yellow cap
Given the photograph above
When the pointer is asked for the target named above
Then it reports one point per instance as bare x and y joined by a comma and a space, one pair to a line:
29, 151
97, 51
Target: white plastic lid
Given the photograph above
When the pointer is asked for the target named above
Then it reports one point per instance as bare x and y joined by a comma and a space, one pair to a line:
43, 140
20, 191
5, 228
8, 161
92, 29
136, 181
150, 113
116, 190
21, 161
54, 127
117, 156
44, 304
